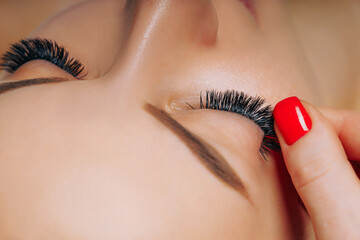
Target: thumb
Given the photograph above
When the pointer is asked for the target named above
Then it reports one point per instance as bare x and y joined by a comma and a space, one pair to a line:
319, 169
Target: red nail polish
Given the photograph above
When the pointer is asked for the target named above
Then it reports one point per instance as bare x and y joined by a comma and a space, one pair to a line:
292, 119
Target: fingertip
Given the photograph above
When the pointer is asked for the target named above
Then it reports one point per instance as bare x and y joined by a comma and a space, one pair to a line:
317, 164
291, 119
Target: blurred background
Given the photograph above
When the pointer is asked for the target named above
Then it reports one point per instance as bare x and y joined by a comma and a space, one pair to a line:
19, 17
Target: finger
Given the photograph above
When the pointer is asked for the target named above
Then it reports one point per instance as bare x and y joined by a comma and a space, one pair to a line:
347, 126
319, 169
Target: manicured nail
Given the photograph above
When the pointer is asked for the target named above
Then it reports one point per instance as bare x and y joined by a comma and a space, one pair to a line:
292, 119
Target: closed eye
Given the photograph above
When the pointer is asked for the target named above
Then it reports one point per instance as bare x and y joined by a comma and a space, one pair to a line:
253, 108
30, 49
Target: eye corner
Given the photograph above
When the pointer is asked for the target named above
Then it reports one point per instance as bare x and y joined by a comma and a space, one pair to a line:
182, 103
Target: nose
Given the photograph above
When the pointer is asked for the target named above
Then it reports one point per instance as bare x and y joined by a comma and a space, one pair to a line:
163, 29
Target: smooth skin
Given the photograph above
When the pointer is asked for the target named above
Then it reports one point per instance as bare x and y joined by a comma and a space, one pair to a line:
81, 159
319, 166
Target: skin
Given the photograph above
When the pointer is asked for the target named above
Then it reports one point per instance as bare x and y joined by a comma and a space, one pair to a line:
81, 159
14, 27
321, 164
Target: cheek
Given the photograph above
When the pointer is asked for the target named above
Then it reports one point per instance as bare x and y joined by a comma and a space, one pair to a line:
81, 29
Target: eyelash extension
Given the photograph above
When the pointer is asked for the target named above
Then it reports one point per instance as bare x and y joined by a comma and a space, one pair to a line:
30, 49
253, 108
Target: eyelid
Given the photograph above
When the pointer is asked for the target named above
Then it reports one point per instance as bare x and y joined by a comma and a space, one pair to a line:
252, 108
229, 130
38, 69
183, 103
30, 49
208, 155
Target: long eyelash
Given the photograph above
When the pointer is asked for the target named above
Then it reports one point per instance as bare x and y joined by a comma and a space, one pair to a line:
40, 48
253, 108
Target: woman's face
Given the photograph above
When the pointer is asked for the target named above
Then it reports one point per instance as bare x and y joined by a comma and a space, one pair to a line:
84, 159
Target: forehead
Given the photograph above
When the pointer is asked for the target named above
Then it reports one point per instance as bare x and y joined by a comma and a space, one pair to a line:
70, 170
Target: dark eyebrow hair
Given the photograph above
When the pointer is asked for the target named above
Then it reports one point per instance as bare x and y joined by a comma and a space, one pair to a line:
7, 86
206, 153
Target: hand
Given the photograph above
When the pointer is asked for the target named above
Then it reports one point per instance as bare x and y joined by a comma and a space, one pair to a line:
317, 146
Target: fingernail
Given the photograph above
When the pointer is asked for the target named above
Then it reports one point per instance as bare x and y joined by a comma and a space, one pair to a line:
292, 119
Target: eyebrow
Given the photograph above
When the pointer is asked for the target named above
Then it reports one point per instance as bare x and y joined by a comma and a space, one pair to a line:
7, 86
206, 153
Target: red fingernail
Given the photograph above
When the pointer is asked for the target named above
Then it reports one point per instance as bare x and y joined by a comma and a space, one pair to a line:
292, 119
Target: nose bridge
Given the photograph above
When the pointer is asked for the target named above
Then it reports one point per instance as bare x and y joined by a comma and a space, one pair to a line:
163, 35
193, 20
166, 27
